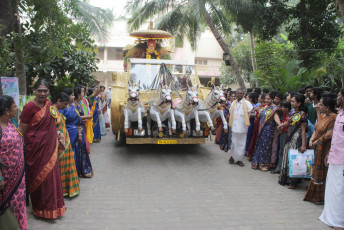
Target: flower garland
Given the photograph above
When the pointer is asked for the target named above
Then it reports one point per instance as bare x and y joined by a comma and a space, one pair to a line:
149, 56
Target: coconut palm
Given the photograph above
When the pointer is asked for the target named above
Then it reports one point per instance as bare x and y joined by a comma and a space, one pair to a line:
188, 18
97, 19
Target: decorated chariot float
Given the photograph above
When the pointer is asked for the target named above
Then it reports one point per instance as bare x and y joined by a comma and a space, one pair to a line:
161, 101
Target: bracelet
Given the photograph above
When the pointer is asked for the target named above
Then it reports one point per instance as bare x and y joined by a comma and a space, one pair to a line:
1, 177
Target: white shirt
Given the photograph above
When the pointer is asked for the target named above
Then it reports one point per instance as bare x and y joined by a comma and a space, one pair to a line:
239, 118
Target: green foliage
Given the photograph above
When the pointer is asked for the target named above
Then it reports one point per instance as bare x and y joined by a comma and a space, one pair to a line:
74, 61
314, 30
6, 56
278, 68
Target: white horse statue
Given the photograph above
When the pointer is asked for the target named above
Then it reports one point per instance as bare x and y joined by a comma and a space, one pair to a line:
186, 109
134, 109
208, 109
161, 110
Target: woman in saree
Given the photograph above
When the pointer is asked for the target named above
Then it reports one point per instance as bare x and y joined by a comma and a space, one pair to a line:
268, 118
41, 154
86, 166
256, 126
69, 174
12, 178
252, 98
93, 98
321, 142
102, 104
297, 125
87, 111
74, 125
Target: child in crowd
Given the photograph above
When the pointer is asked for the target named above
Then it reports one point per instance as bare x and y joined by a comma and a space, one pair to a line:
286, 109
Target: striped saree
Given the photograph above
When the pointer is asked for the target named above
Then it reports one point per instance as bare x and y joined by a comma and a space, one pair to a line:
69, 175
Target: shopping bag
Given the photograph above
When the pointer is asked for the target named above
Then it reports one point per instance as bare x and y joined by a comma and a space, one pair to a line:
300, 164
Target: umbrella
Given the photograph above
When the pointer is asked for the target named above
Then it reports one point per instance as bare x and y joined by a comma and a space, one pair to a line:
151, 33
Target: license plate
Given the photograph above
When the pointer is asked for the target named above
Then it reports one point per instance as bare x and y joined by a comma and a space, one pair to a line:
167, 142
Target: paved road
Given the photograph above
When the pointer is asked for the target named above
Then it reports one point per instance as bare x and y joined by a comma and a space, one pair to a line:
179, 187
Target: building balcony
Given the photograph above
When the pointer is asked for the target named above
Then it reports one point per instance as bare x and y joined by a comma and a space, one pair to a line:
110, 66
208, 70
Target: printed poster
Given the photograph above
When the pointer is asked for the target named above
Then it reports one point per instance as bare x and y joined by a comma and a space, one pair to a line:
10, 87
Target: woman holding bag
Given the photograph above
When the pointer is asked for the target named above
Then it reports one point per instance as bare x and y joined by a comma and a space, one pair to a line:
297, 125
12, 179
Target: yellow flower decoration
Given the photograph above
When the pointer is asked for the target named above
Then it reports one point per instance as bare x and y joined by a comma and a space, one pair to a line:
53, 112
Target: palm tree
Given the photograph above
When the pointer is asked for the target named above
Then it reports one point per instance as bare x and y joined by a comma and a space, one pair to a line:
188, 17
97, 19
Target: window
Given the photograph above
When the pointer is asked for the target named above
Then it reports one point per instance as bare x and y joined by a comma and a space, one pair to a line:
201, 62
114, 53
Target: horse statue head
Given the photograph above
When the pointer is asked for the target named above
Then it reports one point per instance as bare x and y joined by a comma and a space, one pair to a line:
166, 93
134, 91
217, 94
192, 96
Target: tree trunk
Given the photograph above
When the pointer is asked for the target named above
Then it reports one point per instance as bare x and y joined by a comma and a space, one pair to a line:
253, 55
341, 8
225, 48
19, 53
7, 19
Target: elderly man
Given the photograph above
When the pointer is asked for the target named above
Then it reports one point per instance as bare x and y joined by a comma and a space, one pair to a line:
333, 213
239, 123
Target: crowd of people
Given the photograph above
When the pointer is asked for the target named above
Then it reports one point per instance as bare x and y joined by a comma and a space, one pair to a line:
265, 125
44, 157
46, 154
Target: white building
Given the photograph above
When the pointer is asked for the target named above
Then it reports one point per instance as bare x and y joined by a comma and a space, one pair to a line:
207, 57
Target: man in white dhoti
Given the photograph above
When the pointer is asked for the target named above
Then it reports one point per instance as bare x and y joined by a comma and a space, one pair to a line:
239, 123
333, 213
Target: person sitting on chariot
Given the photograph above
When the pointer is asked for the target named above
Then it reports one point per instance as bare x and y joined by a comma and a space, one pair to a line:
151, 52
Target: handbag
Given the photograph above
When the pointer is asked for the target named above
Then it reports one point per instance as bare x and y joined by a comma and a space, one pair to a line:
8, 221
300, 164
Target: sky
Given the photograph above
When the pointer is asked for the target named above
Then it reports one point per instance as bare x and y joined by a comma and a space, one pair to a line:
116, 5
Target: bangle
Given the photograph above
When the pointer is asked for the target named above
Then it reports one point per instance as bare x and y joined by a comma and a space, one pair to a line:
1, 177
